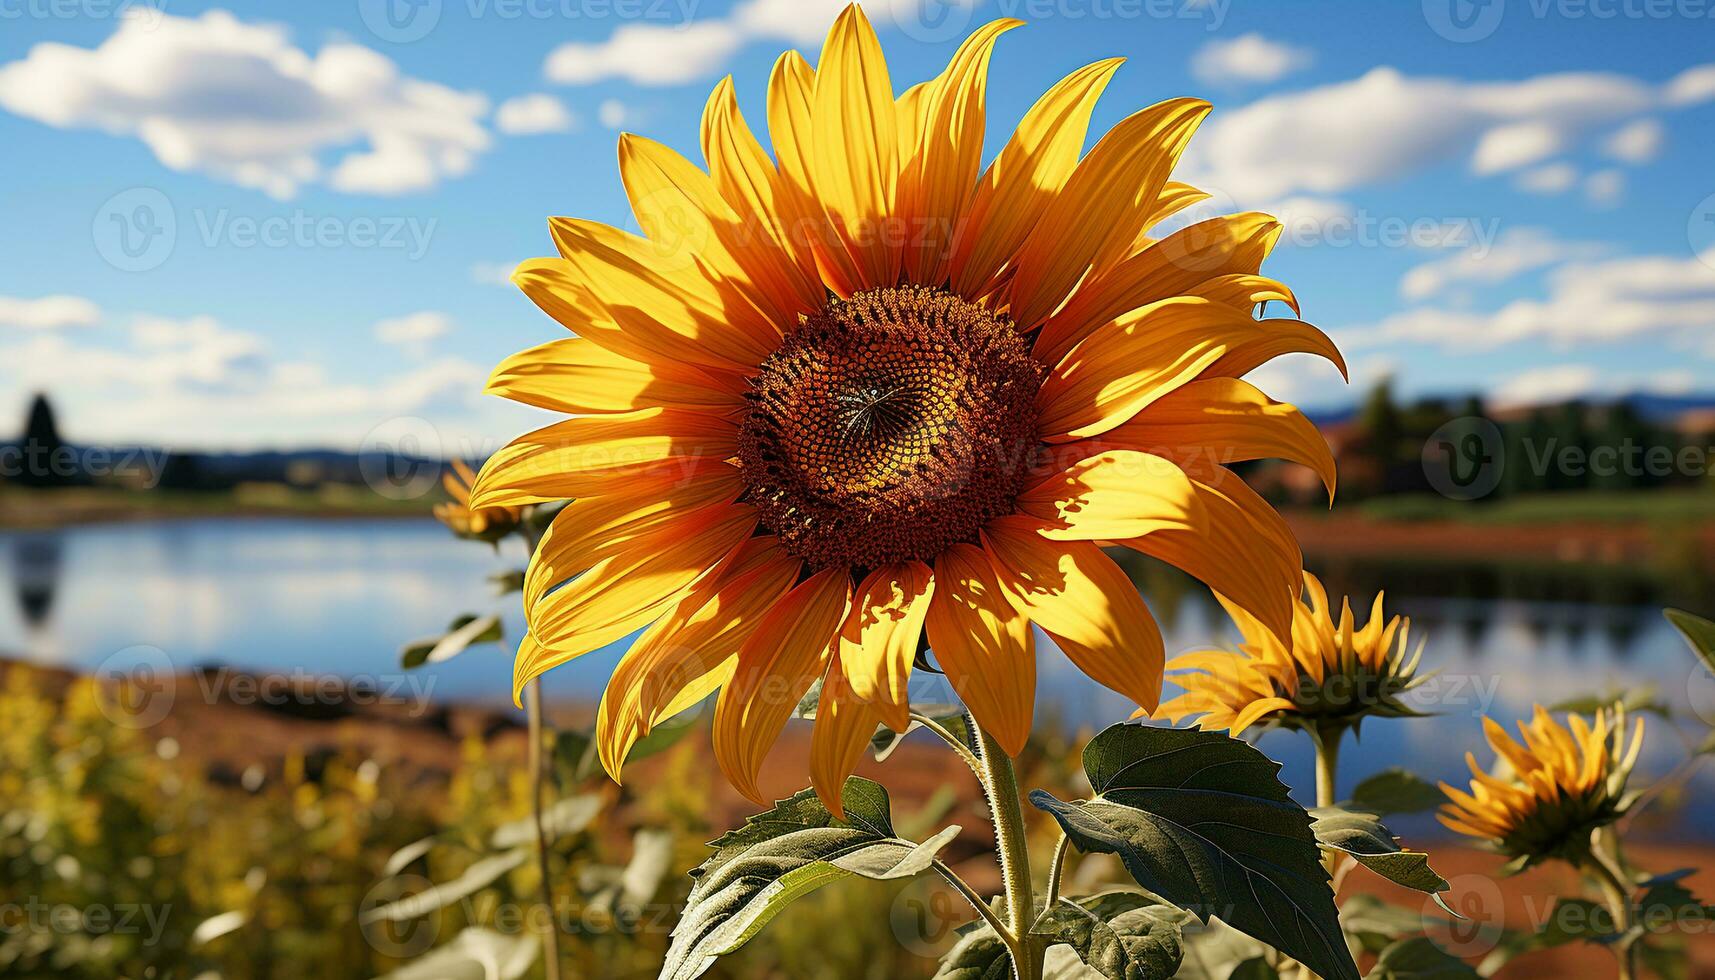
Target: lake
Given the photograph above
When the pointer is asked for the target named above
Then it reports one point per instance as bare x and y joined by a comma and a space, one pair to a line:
342, 596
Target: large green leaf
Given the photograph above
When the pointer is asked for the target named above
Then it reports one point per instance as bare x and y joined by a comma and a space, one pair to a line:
780, 855
465, 631
980, 955
1202, 820
1120, 935
1362, 836
1396, 791
1698, 632
1419, 959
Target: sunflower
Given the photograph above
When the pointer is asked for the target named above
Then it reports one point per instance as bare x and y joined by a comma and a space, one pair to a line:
488, 523
1553, 791
848, 396
1323, 675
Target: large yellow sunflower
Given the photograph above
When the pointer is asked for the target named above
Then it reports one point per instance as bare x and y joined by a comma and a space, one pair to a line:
850, 394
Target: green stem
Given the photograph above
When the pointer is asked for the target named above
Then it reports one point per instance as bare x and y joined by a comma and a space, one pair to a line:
1612, 881
952, 741
1055, 870
1000, 784
539, 761
1327, 764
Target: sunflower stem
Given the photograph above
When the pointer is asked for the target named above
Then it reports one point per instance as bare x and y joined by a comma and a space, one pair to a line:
953, 741
1000, 784
1612, 880
538, 761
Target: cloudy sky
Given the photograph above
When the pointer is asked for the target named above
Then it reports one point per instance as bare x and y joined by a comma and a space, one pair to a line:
278, 225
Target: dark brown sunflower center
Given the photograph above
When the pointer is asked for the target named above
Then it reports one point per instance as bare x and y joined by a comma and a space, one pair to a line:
889, 426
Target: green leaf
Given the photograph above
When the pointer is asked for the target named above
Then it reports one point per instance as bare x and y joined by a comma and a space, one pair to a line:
1255, 968
1202, 820
1570, 920
1396, 791
1641, 699
1419, 959
465, 631
1120, 935
979, 955
1698, 632
508, 582
780, 855
478, 876
1217, 951
566, 816
474, 954
885, 739
1362, 836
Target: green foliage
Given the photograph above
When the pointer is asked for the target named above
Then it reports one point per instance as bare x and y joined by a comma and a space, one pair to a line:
1419, 958
464, 632
1363, 837
783, 854
1394, 791
1202, 820
1120, 935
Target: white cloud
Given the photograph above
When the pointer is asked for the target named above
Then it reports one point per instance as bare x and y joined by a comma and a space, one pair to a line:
1246, 59
48, 312
1692, 86
1588, 302
198, 383
673, 54
414, 331
492, 273
1605, 188
529, 115
1516, 251
240, 102
1386, 125
1552, 178
1565, 382
612, 113
1637, 142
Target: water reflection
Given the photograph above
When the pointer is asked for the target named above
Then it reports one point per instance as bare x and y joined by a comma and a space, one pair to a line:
342, 596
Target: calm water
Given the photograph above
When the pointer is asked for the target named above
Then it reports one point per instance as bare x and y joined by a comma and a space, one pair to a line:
342, 596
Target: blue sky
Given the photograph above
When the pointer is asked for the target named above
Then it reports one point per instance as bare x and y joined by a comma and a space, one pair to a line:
261, 224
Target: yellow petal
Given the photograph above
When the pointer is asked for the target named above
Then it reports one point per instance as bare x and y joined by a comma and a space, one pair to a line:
591, 529
1111, 496
626, 592
943, 170
1239, 547
1279, 337
1025, 178
1096, 216
765, 204
1081, 599
879, 641
1221, 421
844, 726
983, 645
691, 649
853, 163
587, 455
1245, 291
1173, 266
776, 665
791, 112
577, 377
1124, 366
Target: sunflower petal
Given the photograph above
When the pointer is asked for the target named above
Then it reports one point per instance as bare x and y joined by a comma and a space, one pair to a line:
588, 455
1025, 178
1111, 496
943, 171
984, 646
1081, 599
879, 642
844, 726
776, 665
853, 163
1095, 218
576, 376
